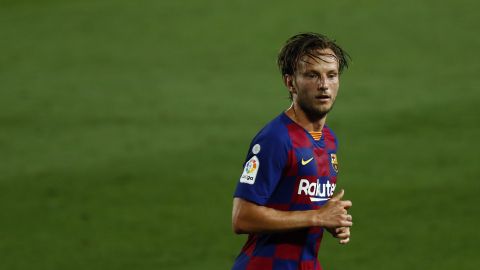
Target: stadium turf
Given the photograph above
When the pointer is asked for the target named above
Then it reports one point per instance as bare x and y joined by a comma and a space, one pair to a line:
124, 126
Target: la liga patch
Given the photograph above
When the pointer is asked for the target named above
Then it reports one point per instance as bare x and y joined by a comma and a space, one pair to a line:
250, 171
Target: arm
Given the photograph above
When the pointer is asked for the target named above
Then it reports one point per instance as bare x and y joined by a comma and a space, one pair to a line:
248, 217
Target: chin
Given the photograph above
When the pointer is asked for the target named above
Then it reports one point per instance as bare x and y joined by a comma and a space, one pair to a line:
323, 110
316, 111
315, 115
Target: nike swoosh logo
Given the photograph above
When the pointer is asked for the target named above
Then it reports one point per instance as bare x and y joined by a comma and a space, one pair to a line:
305, 162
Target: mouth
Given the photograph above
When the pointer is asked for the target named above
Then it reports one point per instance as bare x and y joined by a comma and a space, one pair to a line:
322, 97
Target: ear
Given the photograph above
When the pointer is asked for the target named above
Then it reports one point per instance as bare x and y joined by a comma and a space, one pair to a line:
288, 80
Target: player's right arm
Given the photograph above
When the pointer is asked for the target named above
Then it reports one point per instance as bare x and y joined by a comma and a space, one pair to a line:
248, 217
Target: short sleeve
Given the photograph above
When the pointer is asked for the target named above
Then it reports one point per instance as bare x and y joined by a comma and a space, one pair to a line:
264, 165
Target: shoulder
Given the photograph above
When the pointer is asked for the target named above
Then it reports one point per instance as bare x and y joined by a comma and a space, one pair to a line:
330, 137
274, 133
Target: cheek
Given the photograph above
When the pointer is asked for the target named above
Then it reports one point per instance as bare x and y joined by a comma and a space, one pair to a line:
334, 87
307, 92
334, 83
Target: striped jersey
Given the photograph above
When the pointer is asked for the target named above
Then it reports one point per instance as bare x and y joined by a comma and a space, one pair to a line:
287, 169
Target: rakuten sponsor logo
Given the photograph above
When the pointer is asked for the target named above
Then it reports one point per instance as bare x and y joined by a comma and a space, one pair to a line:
317, 191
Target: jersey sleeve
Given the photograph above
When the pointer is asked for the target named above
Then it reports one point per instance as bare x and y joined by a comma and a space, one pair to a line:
264, 165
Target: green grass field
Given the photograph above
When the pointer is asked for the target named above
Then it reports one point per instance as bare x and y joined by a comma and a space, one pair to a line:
124, 126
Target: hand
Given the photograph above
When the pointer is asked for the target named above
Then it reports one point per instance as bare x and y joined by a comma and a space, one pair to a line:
334, 213
342, 233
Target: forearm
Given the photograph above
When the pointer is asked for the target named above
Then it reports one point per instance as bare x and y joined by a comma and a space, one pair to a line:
248, 217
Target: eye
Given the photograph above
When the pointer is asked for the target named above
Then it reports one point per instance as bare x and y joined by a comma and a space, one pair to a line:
312, 75
332, 75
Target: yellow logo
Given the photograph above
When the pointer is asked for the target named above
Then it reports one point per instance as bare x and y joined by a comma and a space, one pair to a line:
305, 162
333, 158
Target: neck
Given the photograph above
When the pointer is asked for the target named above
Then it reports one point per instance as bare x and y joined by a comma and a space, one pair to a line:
300, 117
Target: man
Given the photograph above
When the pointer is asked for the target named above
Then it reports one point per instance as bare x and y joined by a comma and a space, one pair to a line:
284, 199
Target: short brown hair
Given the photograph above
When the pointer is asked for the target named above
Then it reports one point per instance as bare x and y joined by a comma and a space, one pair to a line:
306, 44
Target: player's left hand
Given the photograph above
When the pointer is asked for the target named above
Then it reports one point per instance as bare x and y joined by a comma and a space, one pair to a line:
342, 233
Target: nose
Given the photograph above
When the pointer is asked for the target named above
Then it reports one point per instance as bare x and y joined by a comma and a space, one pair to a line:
322, 83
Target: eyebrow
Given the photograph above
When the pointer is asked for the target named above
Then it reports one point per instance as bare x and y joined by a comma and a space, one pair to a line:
318, 73
309, 69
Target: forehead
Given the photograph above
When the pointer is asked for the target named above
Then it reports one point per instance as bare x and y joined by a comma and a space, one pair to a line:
323, 59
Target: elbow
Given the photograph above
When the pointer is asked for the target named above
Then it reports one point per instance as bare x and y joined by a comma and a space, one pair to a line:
238, 226
237, 230
242, 212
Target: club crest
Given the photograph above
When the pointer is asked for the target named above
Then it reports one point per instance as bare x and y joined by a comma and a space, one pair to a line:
334, 161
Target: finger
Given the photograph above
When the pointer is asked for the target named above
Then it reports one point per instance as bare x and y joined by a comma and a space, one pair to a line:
346, 217
341, 229
338, 196
344, 241
343, 235
346, 204
346, 223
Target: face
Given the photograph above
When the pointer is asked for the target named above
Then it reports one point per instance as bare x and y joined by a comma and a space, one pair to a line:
314, 86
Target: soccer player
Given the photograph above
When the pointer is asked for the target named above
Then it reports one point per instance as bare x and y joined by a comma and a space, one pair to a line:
284, 199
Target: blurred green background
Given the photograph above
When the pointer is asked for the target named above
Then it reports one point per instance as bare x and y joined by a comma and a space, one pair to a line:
124, 126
